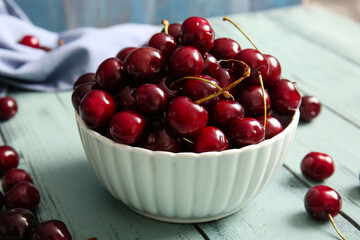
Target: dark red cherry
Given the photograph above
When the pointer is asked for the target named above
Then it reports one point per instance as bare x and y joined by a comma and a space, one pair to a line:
1, 200
110, 74
30, 41
13, 177
122, 54
210, 139
97, 108
162, 140
17, 224
163, 42
322, 200
274, 71
245, 131
185, 61
8, 108
127, 127
22, 195
85, 78
197, 32
144, 64
165, 84
126, 98
310, 108
225, 48
273, 126
317, 166
224, 112
174, 30
52, 230
151, 98
254, 59
211, 66
226, 77
251, 98
8, 159
80, 92
285, 98
186, 117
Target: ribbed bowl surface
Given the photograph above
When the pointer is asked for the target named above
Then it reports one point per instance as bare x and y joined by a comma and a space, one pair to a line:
185, 187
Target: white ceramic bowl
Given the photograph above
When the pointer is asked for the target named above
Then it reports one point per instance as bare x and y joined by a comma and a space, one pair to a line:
185, 187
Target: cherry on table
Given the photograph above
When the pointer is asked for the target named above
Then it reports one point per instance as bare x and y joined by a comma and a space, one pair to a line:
17, 223
162, 140
30, 41
317, 166
245, 131
310, 108
8, 108
285, 98
151, 98
210, 139
9, 159
273, 126
52, 230
22, 195
123, 53
13, 177
186, 61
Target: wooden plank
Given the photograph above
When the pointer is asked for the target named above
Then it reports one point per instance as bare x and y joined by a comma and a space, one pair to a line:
44, 130
278, 213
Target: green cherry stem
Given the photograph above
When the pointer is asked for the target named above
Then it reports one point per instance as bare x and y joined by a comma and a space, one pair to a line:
166, 26
264, 99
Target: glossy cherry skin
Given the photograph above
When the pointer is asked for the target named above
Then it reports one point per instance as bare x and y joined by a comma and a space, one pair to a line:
8, 108
317, 166
13, 177
30, 41
174, 30
224, 112
85, 78
225, 48
163, 42
245, 131
322, 200
80, 92
126, 98
162, 140
226, 77
210, 139
17, 224
197, 32
165, 84
22, 195
211, 66
110, 74
273, 126
97, 108
185, 61
123, 53
151, 98
285, 98
52, 230
9, 159
254, 59
251, 98
127, 127
310, 108
144, 64
273, 73
186, 117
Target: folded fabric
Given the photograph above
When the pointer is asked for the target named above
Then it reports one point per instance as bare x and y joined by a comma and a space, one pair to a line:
83, 50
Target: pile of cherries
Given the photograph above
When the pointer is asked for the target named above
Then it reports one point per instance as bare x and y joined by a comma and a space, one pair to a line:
186, 91
21, 199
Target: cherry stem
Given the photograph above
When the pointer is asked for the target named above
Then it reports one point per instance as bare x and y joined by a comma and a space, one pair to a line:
228, 19
264, 99
60, 42
187, 140
333, 223
166, 26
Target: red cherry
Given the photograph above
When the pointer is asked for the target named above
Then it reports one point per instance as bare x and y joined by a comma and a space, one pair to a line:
185, 61
186, 117
210, 139
80, 92
226, 77
211, 66
251, 98
285, 98
174, 30
126, 98
225, 48
13, 177
127, 127
1, 200
8, 108
30, 41
164, 84
273, 126
245, 131
85, 78
224, 112
162, 140
110, 74
254, 59
123, 53
97, 108
163, 42
274, 71
17, 223
8, 159
322, 200
151, 98
22, 195
310, 108
52, 230
317, 166
197, 32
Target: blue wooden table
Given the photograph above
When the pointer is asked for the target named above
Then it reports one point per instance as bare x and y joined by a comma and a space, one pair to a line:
318, 49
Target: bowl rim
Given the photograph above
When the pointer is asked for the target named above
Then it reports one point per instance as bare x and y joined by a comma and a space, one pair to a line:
292, 124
